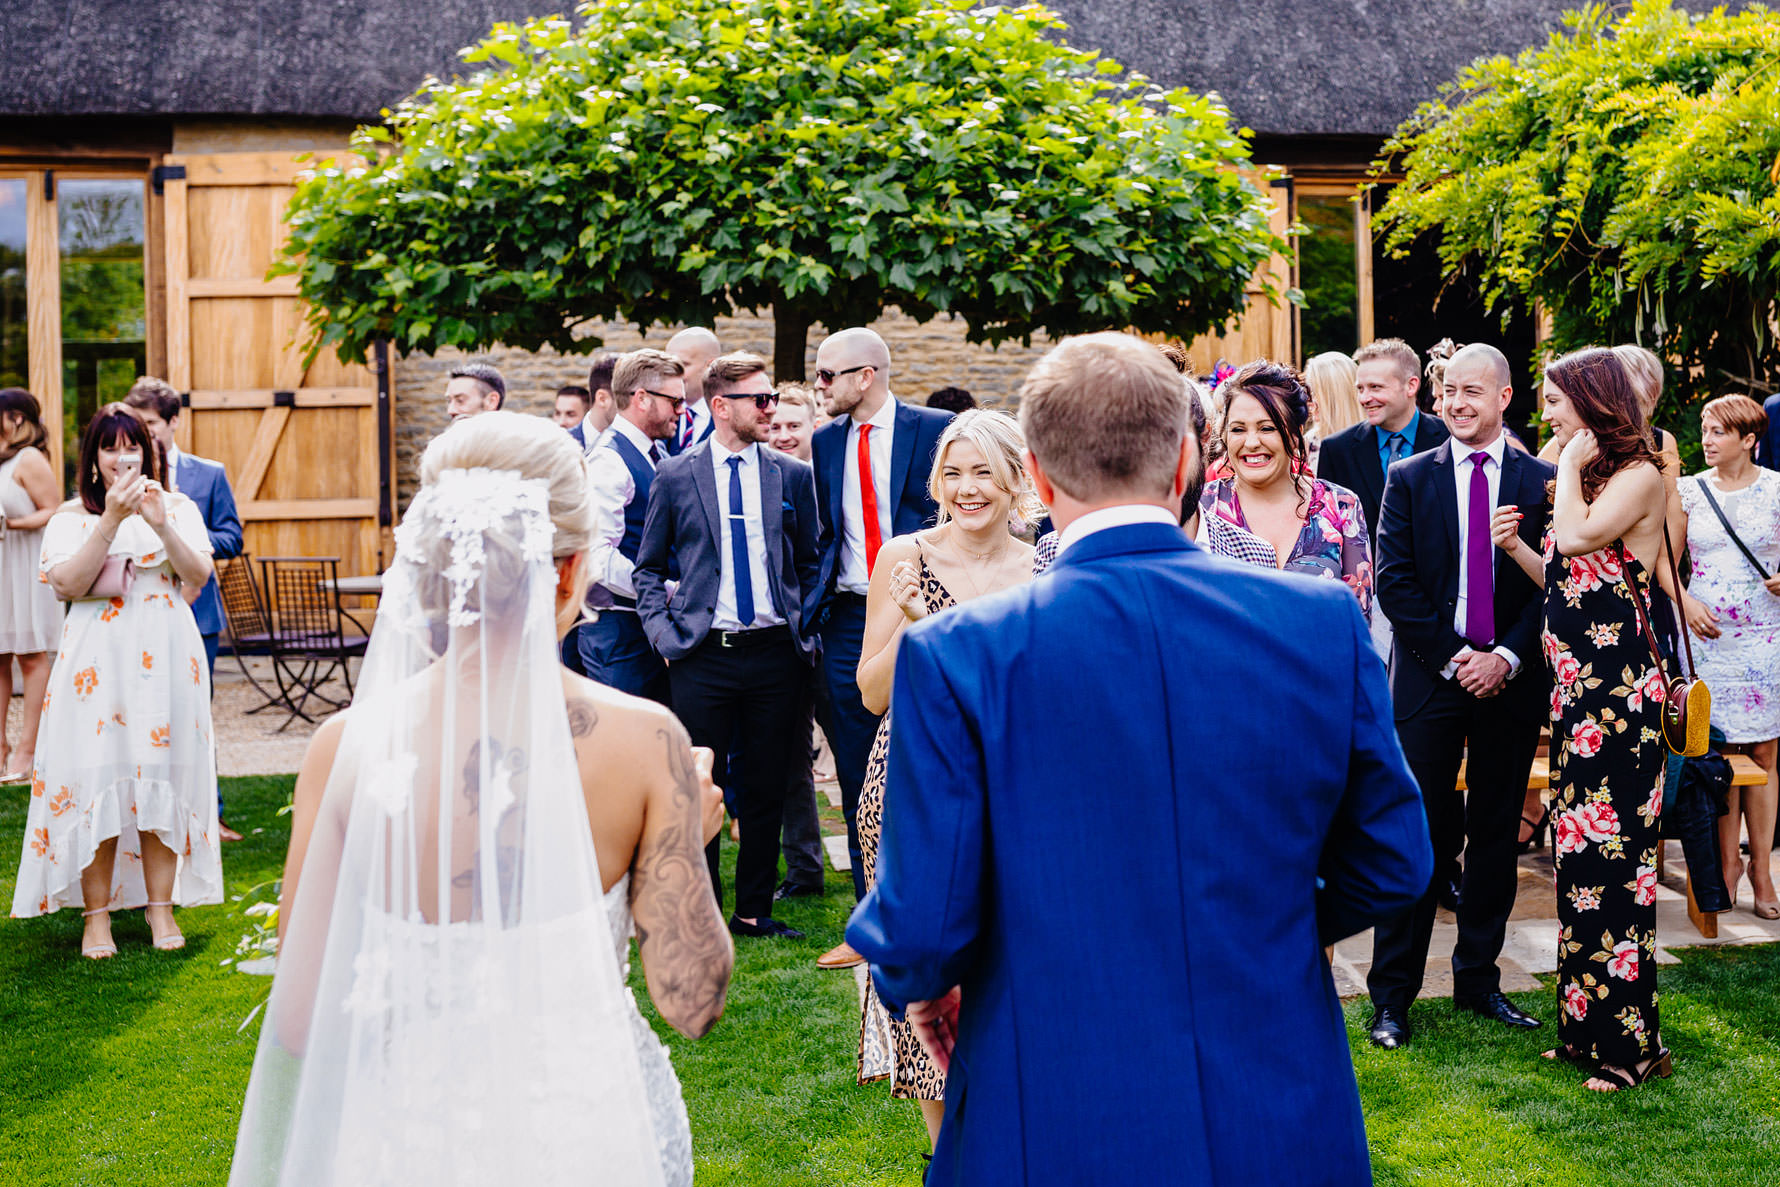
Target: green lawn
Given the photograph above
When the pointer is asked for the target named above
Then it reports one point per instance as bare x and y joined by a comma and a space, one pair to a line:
130, 1071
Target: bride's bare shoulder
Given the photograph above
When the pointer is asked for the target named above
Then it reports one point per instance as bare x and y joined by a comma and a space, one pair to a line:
623, 726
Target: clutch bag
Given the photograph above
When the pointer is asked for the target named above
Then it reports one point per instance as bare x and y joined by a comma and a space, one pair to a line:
113, 579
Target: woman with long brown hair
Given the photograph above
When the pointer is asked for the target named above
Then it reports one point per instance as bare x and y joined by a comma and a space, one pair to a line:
30, 615
1606, 539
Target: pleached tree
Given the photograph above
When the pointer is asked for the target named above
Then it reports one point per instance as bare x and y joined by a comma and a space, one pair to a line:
670, 161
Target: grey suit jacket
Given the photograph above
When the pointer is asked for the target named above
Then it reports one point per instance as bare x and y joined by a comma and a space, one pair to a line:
680, 534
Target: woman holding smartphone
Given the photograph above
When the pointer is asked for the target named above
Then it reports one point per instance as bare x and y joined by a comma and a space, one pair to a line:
127, 767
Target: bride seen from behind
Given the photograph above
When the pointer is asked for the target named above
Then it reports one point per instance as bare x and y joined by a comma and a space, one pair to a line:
470, 843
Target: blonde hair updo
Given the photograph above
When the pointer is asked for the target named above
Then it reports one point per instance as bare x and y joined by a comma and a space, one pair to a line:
998, 438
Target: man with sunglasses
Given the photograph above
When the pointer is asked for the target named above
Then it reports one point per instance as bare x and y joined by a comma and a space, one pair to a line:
891, 444
737, 523
649, 391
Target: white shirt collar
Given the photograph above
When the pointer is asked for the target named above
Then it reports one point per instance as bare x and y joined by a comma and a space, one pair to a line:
721, 453
883, 418
1462, 452
633, 434
1123, 515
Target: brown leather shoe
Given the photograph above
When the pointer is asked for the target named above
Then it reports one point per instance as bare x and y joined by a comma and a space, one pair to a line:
225, 833
841, 956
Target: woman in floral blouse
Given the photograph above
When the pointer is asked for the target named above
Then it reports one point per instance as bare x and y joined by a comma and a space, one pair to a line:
1269, 509
1608, 754
123, 794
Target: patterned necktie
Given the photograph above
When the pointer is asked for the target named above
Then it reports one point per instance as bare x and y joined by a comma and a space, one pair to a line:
1398, 446
868, 501
686, 428
738, 547
655, 453
1480, 594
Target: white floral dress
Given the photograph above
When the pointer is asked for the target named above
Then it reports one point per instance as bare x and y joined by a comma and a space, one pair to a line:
1742, 665
126, 741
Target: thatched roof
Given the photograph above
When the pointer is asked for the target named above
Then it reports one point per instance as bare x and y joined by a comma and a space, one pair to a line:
1286, 67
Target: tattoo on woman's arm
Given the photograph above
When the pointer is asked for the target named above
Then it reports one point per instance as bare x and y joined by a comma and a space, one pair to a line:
685, 951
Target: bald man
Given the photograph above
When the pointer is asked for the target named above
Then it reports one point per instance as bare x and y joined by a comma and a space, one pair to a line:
696, 348
1466, 668
891, 444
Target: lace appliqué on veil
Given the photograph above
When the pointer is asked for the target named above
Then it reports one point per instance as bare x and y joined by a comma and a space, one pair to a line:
463, 507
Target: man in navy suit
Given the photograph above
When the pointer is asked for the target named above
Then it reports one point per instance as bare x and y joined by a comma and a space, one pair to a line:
695, 347
1467, 669
649, 390
1137, 993
897, 442
736, 522
205, 483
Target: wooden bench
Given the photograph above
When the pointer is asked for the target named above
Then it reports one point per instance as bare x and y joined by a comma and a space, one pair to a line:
1744, 773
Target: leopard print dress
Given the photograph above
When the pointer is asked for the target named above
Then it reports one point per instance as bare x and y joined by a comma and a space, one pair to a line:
888, 1048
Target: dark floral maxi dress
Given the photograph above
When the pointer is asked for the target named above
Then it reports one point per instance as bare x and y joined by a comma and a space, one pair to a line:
1607, 777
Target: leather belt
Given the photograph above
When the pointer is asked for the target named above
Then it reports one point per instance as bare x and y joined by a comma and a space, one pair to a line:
753, 638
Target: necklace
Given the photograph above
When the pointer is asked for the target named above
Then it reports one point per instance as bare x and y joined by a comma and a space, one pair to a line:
990, 560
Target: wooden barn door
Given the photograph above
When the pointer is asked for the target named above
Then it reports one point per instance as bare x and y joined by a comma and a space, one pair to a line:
305, 450
1265, 330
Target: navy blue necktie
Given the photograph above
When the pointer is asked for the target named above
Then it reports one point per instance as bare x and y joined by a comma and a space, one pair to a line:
738, 547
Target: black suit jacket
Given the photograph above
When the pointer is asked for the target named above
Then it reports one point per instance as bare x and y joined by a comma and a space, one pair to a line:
680, 535
1418, 577
915, 439
1350, 459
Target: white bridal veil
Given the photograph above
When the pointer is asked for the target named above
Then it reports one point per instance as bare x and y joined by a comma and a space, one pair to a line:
448, 1006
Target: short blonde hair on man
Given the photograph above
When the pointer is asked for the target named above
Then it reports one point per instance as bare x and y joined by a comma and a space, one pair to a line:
1330, 377
1740, 414
802, 394
1105, 415
640, 368
998, 438
1393, 350
532, 447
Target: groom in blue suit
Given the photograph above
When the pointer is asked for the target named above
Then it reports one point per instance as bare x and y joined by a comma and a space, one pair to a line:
1220, 736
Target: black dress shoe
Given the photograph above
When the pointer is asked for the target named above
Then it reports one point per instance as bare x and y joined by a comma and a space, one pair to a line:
1448, 895
792, 890
769, 927
1496, 1008
1390, 1027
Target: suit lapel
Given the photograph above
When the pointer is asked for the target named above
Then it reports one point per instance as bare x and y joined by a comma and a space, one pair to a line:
834, 471
706, 481
902, 454
1446, 494
772, 522
1370, 469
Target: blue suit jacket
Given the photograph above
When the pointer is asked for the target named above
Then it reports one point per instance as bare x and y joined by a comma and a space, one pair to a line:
1127, 804
916, 438
1769, 451
205, 483
680, 536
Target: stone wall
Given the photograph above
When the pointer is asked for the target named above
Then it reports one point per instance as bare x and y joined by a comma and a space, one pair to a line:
922, 358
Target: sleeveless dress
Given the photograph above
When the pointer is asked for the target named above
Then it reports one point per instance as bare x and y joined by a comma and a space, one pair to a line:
30, 613
126, 744
534, 1138
888, 1047
1607, 776
1742, 665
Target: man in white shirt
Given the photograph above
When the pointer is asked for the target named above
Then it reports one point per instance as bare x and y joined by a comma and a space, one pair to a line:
648, 391
1466, 668
601, 411
736, 524
695, 347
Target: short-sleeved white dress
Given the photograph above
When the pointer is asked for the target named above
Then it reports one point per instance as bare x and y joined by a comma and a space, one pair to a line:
30, 615
126, 743
1742, 665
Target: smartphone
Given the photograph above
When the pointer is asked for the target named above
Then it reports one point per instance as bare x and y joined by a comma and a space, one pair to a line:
128, 466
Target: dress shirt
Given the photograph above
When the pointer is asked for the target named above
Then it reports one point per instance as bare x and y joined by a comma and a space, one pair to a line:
591, 437
725, 618
610, 485
1123, 515
701, 416
854, 577
1462, 466
1384, 437
171, 476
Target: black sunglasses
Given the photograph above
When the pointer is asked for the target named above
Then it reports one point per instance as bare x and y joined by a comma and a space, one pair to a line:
762, 400
823, 375
677, 401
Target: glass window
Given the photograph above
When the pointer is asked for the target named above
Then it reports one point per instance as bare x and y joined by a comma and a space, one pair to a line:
104, 303
1328, 274
15, 359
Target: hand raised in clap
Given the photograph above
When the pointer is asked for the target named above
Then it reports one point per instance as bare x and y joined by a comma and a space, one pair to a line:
905, 590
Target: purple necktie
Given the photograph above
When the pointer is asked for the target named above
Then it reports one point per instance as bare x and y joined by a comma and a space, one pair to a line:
1480, 597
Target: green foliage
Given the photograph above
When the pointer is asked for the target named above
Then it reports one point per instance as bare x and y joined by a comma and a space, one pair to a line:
1623, 176
673, 160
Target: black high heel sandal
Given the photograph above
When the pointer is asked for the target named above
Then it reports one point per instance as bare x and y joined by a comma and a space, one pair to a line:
1541, 829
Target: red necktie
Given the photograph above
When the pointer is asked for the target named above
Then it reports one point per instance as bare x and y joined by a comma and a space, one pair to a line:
868, 500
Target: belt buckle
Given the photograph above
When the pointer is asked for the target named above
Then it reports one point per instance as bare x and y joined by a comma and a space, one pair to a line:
725, 638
